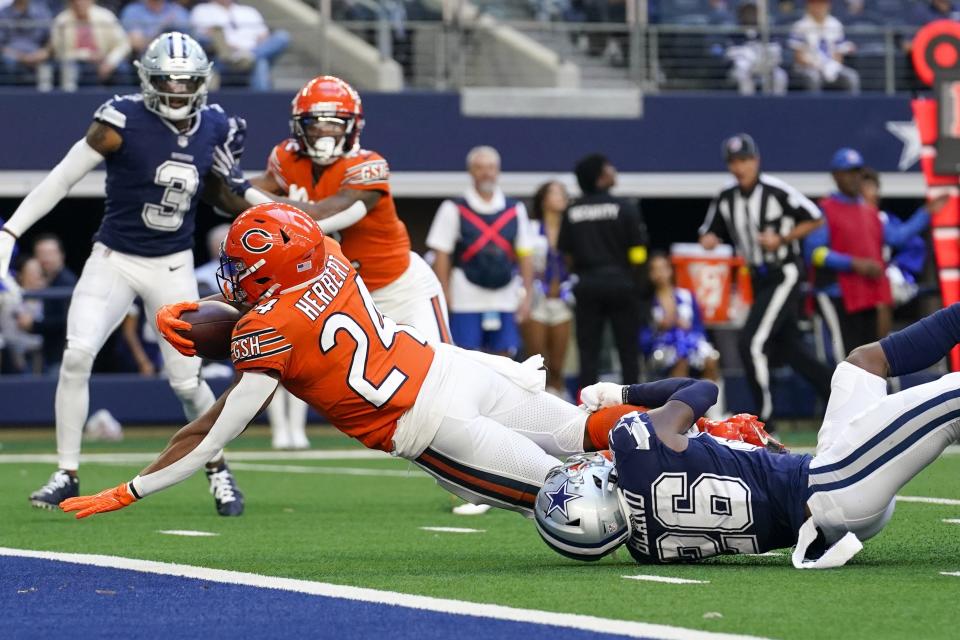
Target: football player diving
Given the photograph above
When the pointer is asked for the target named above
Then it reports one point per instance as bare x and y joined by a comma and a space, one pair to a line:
672, 498
158, 147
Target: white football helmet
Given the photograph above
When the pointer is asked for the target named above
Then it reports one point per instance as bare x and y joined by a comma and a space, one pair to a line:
173, 76
578, 511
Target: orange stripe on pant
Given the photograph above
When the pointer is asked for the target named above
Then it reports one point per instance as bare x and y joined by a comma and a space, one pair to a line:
474, 483
441, 321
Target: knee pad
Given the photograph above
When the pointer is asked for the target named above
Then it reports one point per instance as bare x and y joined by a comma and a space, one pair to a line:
76, 363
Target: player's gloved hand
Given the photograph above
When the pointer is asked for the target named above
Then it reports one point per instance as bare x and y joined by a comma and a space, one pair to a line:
237, 138
752, 431
7, 244
227, 166
600, 395
720, 429
169, 324
107, 500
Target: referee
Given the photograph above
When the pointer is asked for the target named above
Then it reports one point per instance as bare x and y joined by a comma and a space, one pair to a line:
764, 218
605, 242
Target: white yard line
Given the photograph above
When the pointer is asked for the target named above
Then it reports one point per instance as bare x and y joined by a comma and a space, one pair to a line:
925, 500
188, 533
950, 573
951, 520
666, 579
453, 530
494, 611
139, 458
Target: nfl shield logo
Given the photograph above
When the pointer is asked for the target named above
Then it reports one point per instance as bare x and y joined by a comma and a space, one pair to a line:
183, 141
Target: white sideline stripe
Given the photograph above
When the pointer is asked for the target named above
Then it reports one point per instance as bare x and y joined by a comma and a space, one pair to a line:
442, 605
950, 573
951, 520
138, 458
666, 579
925, 500
188, 533
453, 530
338, 471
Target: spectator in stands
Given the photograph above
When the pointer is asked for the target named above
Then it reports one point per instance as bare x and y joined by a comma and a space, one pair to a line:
144, 20
25, 348
924, 12
90, 45
676, 343
820, 46
547, 330
847, 253
24, 40
754, 62
480, 241
48, 251
240, 39
605, 239
206, 273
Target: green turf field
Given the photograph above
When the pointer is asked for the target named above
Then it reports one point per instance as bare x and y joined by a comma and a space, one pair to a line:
313, 521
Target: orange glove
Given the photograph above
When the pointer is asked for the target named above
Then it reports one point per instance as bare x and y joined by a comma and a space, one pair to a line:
169, 324
752, 432
719, 428
107, 500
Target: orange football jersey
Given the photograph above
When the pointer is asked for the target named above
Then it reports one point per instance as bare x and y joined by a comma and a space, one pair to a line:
334, 350
378, 245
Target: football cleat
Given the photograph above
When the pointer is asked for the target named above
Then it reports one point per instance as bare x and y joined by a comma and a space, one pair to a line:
59, 487
226, 495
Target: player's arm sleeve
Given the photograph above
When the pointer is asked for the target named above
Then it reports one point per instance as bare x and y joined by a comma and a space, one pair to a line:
817, 251
372, 174
275, 169
79, 161
256, 345
445, 228
699, 395
242, 404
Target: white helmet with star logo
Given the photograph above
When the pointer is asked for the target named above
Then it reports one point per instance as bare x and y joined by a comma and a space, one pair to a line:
578, 510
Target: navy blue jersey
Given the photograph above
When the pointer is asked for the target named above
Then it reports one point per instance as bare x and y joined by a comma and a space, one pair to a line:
154, 180
718, 496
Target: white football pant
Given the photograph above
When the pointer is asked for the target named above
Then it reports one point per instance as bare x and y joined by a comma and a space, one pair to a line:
416, 298
871, 444
107, 287
496, 441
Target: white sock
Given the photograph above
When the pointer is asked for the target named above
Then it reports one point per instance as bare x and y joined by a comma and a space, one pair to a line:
71, 405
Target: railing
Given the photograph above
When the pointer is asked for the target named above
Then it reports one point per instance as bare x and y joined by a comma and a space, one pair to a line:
456, 52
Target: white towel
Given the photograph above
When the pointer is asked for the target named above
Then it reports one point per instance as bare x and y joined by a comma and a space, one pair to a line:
836, 556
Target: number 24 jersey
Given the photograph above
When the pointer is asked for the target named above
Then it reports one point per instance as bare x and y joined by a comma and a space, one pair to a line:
334, 350
718, 496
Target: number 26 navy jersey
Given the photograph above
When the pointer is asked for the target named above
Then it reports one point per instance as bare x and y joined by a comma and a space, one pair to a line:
718, 496
154, 180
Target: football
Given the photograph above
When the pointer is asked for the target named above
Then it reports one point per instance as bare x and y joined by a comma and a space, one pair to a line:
212, 326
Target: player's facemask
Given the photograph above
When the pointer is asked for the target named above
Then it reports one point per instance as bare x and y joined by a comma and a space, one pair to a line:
322, 138
238, 283
177, 97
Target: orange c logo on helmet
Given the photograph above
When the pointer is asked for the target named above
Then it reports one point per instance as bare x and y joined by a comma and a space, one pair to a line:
265, 245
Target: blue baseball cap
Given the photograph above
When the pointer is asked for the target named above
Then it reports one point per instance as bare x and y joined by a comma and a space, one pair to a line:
846, 159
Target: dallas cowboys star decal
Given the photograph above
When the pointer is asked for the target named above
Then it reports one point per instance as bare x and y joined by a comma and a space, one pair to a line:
560, 498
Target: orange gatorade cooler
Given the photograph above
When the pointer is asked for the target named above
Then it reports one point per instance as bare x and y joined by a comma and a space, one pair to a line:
710, 275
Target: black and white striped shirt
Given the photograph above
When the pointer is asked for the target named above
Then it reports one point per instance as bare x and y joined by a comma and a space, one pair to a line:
738, 218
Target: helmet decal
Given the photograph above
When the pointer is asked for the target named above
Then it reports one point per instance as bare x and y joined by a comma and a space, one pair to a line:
252, 248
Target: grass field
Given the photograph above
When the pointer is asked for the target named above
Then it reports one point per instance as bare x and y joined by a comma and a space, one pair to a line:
358, 522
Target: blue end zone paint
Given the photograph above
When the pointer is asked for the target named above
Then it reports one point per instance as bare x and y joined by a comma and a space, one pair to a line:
61, 600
